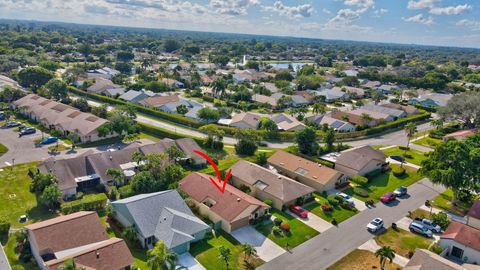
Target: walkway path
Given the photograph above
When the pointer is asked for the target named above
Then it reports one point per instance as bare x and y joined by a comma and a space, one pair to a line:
313, 221
267, 250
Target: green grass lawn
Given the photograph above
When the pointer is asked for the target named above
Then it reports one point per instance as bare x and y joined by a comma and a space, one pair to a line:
402, 241
428, 142
387, 182
444, 202
13, 257
300, 232
361, 260
338, 213
207, 251
15, 196
3, 149
413, 156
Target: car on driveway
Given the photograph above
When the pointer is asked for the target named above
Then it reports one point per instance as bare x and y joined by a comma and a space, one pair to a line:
299, 211
417, 227
375, 225
346, 198
388, 197
27, 130
13, 124
398, 158
432, 226
401, 191
49, 140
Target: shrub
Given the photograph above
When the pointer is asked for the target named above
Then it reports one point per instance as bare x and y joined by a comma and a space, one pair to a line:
277, 221
360, 180
326, 208
332, 199
125, 191
436, 248
4, 227
407, 155
404, 148
410, 254
93, 202
79, 195
441, 219
398, 171
346, 206
276, 230
268, 202
334, 222
285, 227
361, 192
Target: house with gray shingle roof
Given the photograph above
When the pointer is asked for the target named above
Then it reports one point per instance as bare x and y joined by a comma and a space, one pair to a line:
161, 216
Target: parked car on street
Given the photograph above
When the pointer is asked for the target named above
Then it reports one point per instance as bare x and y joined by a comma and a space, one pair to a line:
49, 140
27, 130
388, 197
13, 124
432, 226
401, 191
417, 227
398, 158
299, 211
346, 198
375, 225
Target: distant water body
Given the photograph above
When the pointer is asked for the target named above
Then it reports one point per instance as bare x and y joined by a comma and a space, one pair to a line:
295, 65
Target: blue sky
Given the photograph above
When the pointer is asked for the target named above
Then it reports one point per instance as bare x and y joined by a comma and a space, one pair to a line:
432, 22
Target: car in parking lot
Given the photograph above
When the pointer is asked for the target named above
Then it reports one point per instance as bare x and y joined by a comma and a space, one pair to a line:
417, 227
401, 191
27, 130
346, 198
432, 226
388, 197
49, 140
398, 158
13, 124
299, 211
375, 225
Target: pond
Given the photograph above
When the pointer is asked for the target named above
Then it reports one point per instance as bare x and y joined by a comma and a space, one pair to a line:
295, 65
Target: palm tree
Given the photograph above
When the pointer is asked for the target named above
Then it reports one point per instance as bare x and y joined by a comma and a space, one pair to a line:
219, 86
117, 176
318, 108
410, 130
160, 258
224, 255
385, 253
366, 118
248, 250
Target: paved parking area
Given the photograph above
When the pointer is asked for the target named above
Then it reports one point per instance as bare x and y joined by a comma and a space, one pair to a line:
267, 250
313, 221
188, 261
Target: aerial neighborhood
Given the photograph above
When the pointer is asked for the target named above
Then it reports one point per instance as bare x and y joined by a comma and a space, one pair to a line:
142, 148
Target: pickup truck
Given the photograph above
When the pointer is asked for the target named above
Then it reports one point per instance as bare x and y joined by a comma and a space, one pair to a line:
432, 226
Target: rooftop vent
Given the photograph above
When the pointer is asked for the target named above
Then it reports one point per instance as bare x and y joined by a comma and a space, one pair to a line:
98, 255
238, 199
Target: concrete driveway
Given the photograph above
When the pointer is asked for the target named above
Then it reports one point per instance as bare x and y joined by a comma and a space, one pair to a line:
267, 250
313, 221
188, 261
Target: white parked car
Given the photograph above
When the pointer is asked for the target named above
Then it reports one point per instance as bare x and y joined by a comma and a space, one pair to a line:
346, 198
375, 225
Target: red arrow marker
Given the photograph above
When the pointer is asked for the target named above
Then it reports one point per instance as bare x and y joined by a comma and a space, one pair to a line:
221, 188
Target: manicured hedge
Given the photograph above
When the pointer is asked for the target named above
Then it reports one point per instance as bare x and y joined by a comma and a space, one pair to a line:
141, 109
92, 202
165, 133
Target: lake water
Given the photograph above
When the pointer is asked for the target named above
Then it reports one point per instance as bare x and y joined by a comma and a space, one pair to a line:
295, 65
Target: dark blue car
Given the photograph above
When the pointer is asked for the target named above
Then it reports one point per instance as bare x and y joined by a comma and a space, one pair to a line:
49, 140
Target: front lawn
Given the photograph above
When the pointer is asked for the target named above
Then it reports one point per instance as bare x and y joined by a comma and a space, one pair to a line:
413, 156
3, 149
207, 251
340, 214
444, 202
403, 242
361, 260
299, 231
428, 142
386, 182
15, 197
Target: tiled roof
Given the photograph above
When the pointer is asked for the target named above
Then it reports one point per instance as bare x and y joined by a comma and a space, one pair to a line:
463, 234
357, 158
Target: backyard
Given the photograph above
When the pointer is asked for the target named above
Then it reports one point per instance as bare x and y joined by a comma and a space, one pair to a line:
403, 242
299, 231
13, 257
386, 182
207, 251
444, 202
413, 156
361, 260
340, 214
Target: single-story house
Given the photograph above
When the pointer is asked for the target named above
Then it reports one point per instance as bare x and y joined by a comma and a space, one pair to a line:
6, 81
310, 173
351, 72
287, 122
299, 100
352, 91
158, 101
462, 242
188, 146
461, 135
409, 110
356, 117
135, 96
229, 210
246, 120
333, 94
172, 83
387, 88
360, 160
106, 73
101, 85
114, 92
80, 237
426, 260
429, 99
394, 113
262, 99
337, 125
161, 216
266, 184
271, 86
56, 115
371, 84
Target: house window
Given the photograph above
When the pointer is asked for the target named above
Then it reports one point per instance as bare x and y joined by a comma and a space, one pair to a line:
457, 252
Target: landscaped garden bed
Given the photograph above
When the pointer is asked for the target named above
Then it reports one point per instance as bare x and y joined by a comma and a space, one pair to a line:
322, 208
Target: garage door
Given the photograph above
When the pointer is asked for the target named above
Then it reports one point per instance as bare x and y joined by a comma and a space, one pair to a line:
239, 223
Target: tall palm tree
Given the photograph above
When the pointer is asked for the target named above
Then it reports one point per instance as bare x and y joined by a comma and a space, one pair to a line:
248, 250
117, 176
219, 86
225, 254
410, 130
318, 108
366, 118
385, 253
160, 258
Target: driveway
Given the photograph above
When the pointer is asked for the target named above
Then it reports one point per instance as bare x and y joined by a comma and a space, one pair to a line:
188, 261
332, 245
267, 250
313, 221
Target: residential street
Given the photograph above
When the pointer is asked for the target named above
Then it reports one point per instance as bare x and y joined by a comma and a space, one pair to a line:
330, 246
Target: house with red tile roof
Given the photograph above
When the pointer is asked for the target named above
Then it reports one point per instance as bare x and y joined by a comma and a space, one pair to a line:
230, 210
460, 135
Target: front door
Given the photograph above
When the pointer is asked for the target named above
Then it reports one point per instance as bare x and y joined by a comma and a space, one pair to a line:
457, 252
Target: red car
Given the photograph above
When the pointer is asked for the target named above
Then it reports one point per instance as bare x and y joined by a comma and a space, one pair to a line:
299, 211
388, 197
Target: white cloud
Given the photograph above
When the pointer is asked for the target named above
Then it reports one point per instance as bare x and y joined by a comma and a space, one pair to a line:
233, 7
96, 9
470, 24
360, 3
301, 11
421, 4
326, 11
419, 18
380, 11
452, 10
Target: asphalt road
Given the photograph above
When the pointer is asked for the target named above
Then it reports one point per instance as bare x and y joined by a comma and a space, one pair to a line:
325, 249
